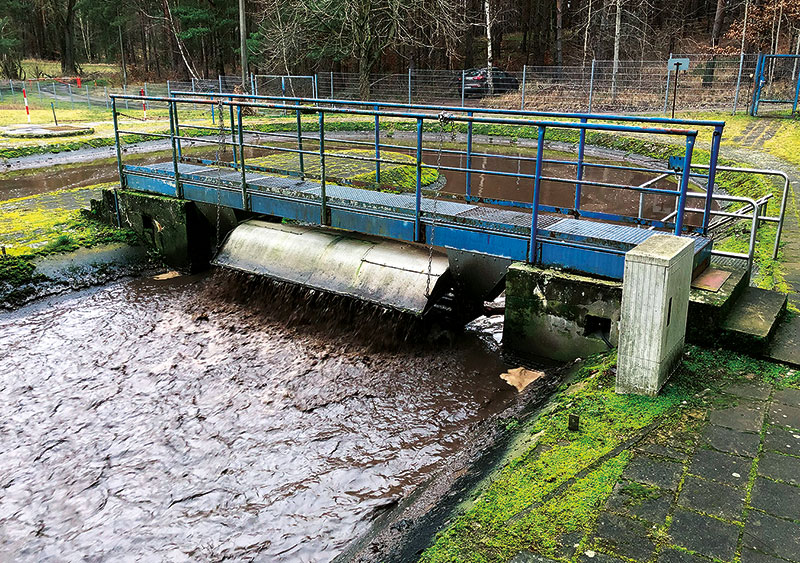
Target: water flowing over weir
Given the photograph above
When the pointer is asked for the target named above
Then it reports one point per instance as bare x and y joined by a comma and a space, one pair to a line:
171, 419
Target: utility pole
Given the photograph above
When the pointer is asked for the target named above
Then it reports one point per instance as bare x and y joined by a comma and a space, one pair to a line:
122, 56
243, 43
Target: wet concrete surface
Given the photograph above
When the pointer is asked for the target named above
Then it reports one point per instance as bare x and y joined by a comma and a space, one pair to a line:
198, 418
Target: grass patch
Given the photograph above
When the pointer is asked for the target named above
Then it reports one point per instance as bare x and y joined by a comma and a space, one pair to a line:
524, 509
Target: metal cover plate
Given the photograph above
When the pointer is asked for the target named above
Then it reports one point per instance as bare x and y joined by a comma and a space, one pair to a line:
711, 279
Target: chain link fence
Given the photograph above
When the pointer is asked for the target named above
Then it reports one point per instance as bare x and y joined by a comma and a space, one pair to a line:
711, 83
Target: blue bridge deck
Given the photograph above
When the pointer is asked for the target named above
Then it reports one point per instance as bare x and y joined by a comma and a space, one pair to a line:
585, 246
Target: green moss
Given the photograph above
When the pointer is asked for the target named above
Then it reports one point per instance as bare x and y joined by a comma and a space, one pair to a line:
558, 485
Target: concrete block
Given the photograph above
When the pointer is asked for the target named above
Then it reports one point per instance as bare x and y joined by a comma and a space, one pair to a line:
655, 303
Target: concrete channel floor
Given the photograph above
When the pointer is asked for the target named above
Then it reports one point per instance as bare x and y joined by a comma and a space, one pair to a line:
728, 492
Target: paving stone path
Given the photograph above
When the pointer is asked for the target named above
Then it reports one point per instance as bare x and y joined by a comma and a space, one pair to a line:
727, 491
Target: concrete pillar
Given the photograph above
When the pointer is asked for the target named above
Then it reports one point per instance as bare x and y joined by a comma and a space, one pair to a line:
655, 302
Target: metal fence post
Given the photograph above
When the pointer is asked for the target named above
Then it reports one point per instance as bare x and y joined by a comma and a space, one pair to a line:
712, 174
117, 146
463, 85
331, 85
55, 96
591, 87
194, 106
233, 134
524, 75
172, 133
219, 76
39, 88
666, 89
88, 100
169, 90
145, 90
738, 83
11, 83
537, 181
105, 95
71, 99
409, 85
579, 175
125, 91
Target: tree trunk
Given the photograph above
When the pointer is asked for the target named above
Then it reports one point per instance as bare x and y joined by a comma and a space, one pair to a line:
559, 29
489, 59
617, 36
68, 40
719, 17
364, 68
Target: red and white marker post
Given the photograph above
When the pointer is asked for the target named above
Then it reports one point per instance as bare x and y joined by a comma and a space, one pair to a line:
27, 109
144, 103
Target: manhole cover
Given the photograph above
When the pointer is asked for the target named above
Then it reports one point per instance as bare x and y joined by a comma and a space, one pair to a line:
44, 131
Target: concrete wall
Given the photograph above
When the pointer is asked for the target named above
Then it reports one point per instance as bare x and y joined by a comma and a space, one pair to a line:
183, 232
559, 315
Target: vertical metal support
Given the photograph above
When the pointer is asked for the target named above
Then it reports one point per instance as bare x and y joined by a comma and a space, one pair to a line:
468, 175
377, 147
245, 203
681, 206
117, 147
71, 99
757, 84
233, 135
145, 90
409, 85
252, 83
537, 182
323, 220
11, 83
219, 76
331, 85
666, 90
39, 89
178, 186
796, 96
105, 95
579, 175
591, 87
524, 76
641, 205
194, 106
712, 174
738, 83
418, 201
124, 91
88, 100
300, 146
463, 85
177, 131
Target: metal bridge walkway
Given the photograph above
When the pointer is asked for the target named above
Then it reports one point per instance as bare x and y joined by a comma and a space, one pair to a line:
586, 246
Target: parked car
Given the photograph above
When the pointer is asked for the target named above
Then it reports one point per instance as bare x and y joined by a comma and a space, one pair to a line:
476, 82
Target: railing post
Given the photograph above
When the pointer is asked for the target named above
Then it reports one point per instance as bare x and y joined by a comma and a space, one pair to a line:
681, 207
233, 135
119, 161
177, 131
172, 132
796, 96
468, 175
409, 85
591, 87
124, 91
537, 181
219, 76
245, 203
738, 83
323, 220
524, 75
579, 175
377, 147
300, 146
11, 83
712, 174
418, 203
463, 85
756, 84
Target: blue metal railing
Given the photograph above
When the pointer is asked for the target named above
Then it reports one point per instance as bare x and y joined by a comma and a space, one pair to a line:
585, 118
417, 117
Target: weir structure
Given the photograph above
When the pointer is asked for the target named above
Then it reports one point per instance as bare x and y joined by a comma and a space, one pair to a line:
422, 246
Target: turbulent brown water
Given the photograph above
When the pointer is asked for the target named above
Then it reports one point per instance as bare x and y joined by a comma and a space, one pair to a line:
182, 420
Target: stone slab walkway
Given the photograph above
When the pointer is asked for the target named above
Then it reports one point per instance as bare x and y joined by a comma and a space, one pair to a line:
727, 490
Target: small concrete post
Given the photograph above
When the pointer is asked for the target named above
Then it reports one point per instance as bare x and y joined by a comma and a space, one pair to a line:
655, 302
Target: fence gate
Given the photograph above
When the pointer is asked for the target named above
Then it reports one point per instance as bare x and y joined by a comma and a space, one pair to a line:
777, 81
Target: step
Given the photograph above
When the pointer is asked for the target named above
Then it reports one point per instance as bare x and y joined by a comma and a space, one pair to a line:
753, 319
785, 345
708, 309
